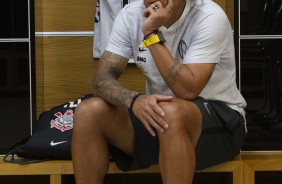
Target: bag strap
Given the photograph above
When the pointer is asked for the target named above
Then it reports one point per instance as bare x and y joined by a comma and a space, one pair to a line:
10, 156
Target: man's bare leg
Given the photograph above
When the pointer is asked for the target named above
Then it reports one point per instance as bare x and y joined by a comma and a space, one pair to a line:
178, 142
95, 123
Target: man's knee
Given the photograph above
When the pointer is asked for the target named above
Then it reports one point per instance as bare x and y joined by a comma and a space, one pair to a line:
91, 107
181, 117
88, 112
177, 111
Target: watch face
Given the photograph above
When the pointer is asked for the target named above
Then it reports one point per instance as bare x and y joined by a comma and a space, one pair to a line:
161, 37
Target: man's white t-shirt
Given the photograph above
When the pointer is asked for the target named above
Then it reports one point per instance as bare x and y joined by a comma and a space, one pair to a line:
202, 35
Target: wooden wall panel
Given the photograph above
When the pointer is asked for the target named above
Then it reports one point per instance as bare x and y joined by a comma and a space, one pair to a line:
133, 78
69, 70
228, 7
39, 58
230, 11
39, 75
72, 15
38, 15
221, 3
68, 15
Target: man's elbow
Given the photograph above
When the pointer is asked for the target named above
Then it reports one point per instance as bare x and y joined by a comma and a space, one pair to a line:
187, 95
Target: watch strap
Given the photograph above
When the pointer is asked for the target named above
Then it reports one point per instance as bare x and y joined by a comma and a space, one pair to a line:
150, 41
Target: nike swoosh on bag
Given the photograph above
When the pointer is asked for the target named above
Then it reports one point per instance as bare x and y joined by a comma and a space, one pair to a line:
56, 143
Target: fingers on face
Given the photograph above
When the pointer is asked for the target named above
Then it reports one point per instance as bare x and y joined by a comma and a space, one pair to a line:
169, 4
157, 5
154, 7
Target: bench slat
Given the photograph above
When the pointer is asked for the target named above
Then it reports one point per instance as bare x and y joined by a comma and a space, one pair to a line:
243, 167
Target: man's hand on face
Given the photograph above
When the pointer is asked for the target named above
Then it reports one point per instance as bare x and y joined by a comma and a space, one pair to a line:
156, 16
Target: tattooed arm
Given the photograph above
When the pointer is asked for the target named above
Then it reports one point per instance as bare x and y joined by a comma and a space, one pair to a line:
185, 80
105, 83
106, 86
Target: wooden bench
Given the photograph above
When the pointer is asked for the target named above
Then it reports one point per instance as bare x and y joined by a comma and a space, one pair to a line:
260, 161
55, 169
243, 167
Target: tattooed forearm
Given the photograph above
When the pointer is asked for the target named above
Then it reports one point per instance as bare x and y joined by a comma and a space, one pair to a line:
174, 73
105, 83
113, 93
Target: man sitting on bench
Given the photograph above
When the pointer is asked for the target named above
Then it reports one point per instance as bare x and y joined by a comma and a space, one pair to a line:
192, 115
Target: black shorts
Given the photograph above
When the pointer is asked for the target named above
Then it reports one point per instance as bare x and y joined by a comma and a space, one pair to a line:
223, 132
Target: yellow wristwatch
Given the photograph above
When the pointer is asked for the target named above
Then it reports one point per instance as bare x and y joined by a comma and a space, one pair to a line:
157, 38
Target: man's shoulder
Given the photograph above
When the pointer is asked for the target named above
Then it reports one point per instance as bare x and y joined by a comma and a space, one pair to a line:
208, 7
208, 12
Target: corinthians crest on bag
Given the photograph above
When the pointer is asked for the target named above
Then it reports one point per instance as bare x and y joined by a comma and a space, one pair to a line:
51, 138
64, 121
